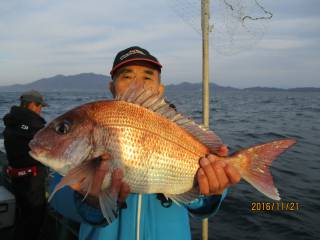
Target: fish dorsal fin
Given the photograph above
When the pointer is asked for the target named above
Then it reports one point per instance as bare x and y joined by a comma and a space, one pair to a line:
155, 102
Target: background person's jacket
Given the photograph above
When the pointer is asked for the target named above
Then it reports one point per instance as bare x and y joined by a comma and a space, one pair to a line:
21, 124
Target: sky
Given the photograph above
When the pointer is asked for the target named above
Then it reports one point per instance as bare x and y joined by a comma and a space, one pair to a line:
40, 39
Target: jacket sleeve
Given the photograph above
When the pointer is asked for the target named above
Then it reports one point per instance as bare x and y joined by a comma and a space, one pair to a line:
88, 213
71, 205
205, 207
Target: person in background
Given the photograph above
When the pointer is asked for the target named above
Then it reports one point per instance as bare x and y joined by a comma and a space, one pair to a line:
28, 175
143, 216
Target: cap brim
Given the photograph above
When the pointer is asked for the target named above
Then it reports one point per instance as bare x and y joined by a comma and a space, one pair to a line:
157, 64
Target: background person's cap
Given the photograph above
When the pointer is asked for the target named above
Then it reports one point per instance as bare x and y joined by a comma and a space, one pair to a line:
33, 96
134, 54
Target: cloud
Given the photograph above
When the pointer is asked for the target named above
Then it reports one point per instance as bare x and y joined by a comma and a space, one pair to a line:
45, 38
282, 44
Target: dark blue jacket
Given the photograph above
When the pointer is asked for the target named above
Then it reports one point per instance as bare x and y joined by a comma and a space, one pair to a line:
149, 221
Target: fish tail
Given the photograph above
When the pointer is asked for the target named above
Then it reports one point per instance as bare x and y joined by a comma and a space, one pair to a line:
255, 165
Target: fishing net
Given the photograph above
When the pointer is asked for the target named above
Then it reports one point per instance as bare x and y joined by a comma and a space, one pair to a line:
236, 25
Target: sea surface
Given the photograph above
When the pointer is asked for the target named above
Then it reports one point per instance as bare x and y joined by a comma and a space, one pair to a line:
242, 119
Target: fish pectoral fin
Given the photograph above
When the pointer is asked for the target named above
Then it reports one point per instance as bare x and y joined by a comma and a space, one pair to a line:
84, 176
109, 205
184, 198
84, 173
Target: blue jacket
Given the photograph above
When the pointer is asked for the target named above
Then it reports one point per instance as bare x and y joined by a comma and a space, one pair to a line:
156, 221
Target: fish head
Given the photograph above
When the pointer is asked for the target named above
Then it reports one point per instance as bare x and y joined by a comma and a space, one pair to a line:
66, 142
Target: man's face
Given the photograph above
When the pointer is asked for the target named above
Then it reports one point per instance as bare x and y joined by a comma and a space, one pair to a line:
35, 107
141, 75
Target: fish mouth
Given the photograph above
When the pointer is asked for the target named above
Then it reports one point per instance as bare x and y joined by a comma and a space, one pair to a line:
38, 151
37, 154
41, 156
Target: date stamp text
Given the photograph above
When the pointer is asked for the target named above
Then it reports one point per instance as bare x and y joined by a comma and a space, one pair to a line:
274, 206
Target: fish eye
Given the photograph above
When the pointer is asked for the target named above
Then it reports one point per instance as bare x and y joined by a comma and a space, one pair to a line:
63, 127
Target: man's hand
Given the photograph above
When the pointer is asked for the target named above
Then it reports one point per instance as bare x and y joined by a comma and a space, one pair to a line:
215, 175
117, 185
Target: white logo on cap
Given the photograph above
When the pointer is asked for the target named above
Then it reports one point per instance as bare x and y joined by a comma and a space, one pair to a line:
24, 127
134, 51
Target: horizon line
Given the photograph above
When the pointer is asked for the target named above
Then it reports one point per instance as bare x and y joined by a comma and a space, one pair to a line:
108, 76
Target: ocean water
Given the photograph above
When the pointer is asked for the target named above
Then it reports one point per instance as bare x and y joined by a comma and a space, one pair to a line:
242, 119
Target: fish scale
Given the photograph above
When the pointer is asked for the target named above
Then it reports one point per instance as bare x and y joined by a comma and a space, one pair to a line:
168, 152
124, 114
161, 169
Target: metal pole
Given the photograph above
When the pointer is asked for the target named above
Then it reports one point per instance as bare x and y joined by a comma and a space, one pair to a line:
205, 10
205, 60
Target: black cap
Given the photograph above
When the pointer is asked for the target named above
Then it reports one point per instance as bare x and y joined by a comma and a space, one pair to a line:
134, 54
33, 96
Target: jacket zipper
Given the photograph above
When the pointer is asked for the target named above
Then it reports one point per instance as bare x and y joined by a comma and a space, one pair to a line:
139, 215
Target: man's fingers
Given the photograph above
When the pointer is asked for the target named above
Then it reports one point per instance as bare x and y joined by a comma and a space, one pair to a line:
100, 173
233, 174
98, 178
203, 182
116, 181
105, 157
210, 174
213, 158
223, 151
124, 192
219, 169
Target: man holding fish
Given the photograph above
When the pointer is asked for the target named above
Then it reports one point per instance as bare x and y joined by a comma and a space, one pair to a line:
129, 158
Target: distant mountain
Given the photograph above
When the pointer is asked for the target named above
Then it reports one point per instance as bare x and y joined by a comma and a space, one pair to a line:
186, 86
90, 82
265, 89
79, 82
97, 82
306, 89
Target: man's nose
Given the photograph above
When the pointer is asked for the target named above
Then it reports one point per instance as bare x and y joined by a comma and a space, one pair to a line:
139, 81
